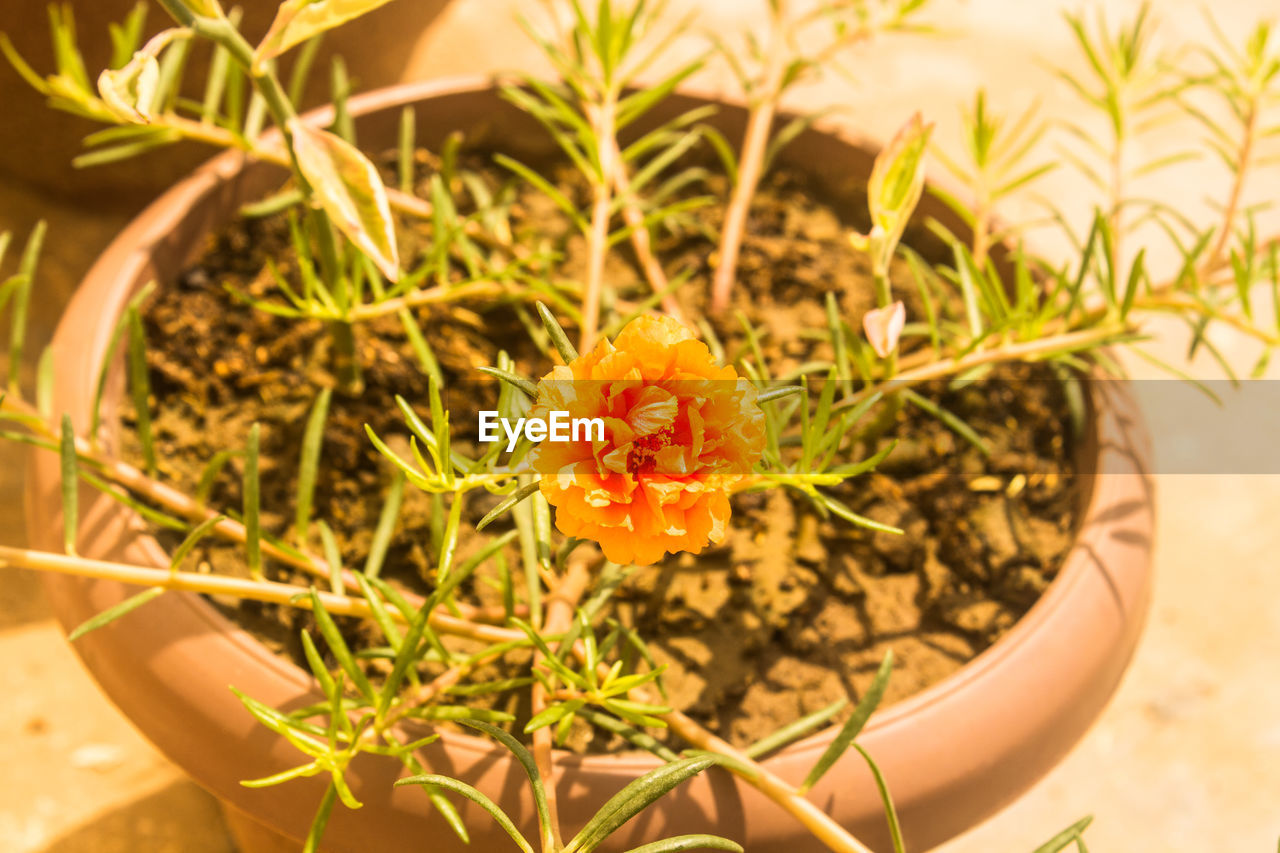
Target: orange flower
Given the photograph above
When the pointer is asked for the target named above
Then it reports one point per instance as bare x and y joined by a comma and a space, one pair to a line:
680, 431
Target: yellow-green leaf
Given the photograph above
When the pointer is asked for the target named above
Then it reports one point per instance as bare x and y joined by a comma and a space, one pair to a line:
348, 188
897, 180
130, 91
205, 8
299, 20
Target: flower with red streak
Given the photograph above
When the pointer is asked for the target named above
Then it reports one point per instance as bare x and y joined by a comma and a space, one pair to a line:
680, 433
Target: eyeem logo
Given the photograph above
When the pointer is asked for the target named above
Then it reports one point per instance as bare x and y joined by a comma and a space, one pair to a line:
559, 427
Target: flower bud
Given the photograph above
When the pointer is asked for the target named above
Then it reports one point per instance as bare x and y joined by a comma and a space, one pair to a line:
130, 91
897, 181
884, 326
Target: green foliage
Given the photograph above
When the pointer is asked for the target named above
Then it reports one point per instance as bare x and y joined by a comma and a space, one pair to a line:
1069, 836
853, 726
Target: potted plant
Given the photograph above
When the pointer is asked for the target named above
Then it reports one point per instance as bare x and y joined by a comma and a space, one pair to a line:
447, 608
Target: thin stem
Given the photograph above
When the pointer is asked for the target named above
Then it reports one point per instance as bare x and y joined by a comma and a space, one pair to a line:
1237, 188
934, 369
603, 126
819, 823
221, 137
425, 694
346, 358
755, 145
430, 296
981, 228
633, 216
167, 497
823, 827
1116, 216
273, 592
561, 604
755, 142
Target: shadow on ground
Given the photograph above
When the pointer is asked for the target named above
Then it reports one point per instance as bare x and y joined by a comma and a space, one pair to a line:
180, 818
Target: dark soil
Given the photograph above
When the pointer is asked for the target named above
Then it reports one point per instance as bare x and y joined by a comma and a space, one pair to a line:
792, 611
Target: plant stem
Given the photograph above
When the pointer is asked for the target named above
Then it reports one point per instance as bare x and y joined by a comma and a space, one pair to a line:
934, 369
430, 296
1237, 188
603, 126
981, 229
561, 602
755, 145
819, 823
425, 694
269, 591
755, 142
346, 357
1116, 216
640, 241
167, 497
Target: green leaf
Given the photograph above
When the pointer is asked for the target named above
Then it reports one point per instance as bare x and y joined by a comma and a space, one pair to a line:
1066, 837
558, 337
318, 669
338, 646
777, 393
21, 301
853, 726
406, 653
529, 389
381, 615
406, 149
332, 557
890, 813
309, 463
112, 614
949, 419
340, 88
197, 534
507, 503
795, 731
530, 765
350, 191
321, 820
252, 506
688, 842
532, 176
458, 713
299, 20
462, 788
634, 736
553, 714
386, 526
44, 384
140, 388
149, 141
70, 485
421, 348
65, 51
1136, 275
271, 205
635, 798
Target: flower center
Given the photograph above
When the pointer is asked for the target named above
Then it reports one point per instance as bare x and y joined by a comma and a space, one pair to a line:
646, 447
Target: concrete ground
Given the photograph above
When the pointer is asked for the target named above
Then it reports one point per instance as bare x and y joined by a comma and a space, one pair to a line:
1187, 756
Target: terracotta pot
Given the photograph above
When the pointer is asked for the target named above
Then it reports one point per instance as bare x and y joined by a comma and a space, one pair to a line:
37, 144
952, 754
